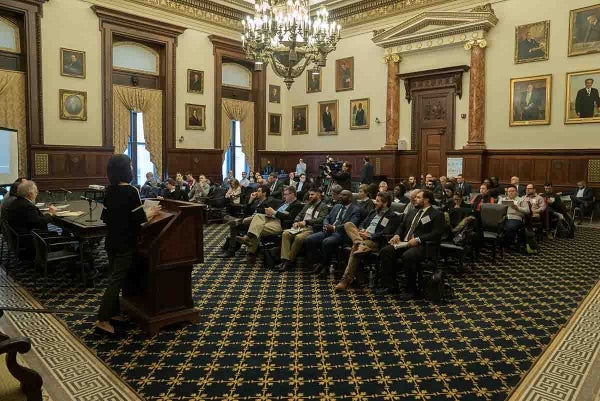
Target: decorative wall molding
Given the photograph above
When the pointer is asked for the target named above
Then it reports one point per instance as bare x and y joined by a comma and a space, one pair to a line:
434, 79
437, 28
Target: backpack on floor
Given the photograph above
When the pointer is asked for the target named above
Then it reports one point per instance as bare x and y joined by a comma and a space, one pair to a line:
272, 257
437, 288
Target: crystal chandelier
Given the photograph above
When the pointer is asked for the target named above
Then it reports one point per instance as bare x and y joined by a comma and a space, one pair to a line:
282, 33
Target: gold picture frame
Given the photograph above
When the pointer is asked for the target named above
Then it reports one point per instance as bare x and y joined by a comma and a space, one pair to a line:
195, 81
584, 30
300, 120
532, 42
530, 101
578, 101
197, 120
360, 116
72, 63
314, 82
72, 105
344, 74
274, 94
328, 117
274, 124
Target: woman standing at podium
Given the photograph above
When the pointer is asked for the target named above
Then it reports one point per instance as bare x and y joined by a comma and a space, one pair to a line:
120, 200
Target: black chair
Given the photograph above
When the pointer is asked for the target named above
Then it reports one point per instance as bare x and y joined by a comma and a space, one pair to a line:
16, 244
460, 244
492, 225
397, 207
51, 249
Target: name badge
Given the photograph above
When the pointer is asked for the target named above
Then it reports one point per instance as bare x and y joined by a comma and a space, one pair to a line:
316, 214
425, 220
384, 222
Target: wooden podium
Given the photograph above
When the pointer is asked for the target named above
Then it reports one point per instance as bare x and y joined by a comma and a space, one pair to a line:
158, 290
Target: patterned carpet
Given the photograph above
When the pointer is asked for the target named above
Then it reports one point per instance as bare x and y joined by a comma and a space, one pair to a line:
271, 336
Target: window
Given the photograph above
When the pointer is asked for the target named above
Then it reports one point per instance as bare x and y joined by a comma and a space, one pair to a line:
9, 36
136, 149
136, 57
235, 159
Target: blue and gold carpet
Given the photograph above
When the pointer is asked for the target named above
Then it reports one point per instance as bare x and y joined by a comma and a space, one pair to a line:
271, 336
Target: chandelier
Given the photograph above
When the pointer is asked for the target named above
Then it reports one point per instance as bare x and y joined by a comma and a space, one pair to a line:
282, 33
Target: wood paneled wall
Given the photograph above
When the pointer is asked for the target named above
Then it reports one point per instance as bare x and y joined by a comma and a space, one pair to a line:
196, 161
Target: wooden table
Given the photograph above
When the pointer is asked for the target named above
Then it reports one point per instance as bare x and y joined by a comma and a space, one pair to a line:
85, 230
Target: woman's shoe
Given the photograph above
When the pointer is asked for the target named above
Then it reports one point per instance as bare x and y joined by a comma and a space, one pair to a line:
530, 250
104, 328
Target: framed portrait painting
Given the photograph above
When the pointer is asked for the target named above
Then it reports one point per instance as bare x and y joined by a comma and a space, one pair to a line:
313, 81
531, 42
344, 74
195, 80
195, 116
530, 100
274, 94
328, 120
274, 124
360, 112
72, 63
584, 30
300, 120
73, 105
582, 103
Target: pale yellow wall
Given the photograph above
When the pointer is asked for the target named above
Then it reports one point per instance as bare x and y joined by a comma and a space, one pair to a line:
71, 24
500, 68
195, 51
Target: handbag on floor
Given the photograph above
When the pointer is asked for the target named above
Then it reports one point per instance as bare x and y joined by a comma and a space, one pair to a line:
437, 288
272, 257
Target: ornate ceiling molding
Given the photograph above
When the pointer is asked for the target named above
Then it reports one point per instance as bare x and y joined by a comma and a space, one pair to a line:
439, 28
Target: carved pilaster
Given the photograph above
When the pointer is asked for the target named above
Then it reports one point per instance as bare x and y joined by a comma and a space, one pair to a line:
392, 111
476, 138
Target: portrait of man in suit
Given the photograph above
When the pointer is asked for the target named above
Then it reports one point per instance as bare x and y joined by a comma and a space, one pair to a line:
531, 41
274, 124
195, 81
72, 63
195, 116
328, 118
583, 97
300, 114
530, 100
344, 74
274, 94
359, 114
313, 82
584, 30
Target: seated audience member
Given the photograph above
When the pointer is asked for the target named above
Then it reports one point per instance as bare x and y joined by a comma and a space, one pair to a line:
495, 189
435, 190
291, 181
443, 180
368, 236
275, 186
258, 202
251, 177
309, 219
302, 187
383, 187
257, 175
343, 177
463, 186
400, 194
515, 216
363, 201
322, 245
483, 197
412, 198
456, 207
268, 168
447, 193
372, 190
260, 180
229, 177
412, 183
425, 179
22, 214
457, 201
180, 183
537, 204
194, 188
234, 192
556, 210
514, 180
172, 191
11, 196
335, 190
272, 222
151, 187
300, 168
244, 182
582, 198
423, 224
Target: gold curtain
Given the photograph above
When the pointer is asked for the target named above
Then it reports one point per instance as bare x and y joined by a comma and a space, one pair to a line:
243, 112
13, 111
148, 102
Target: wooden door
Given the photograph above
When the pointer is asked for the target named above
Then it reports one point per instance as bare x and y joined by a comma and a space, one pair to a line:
433, 126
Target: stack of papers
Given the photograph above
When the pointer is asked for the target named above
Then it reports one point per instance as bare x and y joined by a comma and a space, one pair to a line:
69, 214
150, 203
401, 244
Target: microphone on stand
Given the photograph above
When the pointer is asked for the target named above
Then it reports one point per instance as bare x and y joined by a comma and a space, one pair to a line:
86, 199
66, 191
90, 220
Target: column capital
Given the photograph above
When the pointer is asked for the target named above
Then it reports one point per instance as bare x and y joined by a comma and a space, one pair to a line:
391, 58
476, 43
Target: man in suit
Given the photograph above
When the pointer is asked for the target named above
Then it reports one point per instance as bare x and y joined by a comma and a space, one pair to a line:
195, 120
172, 191
463, 186
314, 82
529, 105
257, 203
359, 119
271, 222
322, 245
196, 83
530, 48
302, 187
299, 122
368, 236
421, 225
515, 181
309, 220
291, 180
582, 198
275, 186
74, 66
587, 100
327, 120
366, 174
345, 75
274, 126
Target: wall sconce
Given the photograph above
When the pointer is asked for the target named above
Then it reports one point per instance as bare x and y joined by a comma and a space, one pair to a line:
180, 139
377, 120
463, 115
